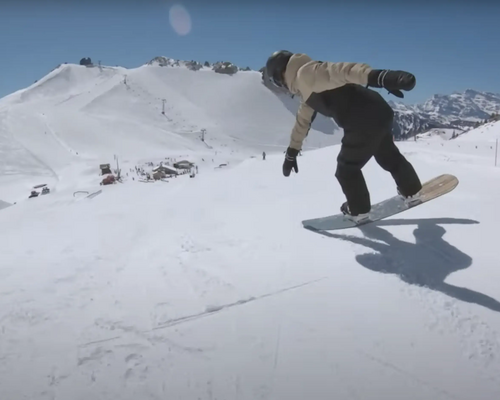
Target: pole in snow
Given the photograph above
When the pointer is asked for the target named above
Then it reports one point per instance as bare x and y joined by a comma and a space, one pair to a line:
496, 152
163, 107
117, 166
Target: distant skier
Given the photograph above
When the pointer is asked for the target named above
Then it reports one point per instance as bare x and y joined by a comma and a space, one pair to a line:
263, 155
340, 91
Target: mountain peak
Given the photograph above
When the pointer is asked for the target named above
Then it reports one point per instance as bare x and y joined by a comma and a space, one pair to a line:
224, 67
162, 61
459, 110
471, 91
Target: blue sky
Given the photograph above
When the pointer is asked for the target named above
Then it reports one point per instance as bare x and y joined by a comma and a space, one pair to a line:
449, 45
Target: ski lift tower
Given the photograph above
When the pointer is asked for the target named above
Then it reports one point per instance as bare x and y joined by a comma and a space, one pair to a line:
117, 167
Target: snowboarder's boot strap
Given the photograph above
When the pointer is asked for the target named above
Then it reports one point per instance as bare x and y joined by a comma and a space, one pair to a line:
410, 200
355, 218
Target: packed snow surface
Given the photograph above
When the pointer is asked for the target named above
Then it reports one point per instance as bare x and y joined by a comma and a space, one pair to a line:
209, 287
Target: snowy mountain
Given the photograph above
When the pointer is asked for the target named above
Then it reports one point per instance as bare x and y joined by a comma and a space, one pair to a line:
456, 111
82, 114
204, 285
469, 106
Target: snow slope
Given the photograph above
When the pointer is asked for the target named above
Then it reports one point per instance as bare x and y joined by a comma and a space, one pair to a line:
81, 115
209, 288
477, 146
436, 134
488, 132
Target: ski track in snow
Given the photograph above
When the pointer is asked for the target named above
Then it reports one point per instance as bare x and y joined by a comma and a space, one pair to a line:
209, 288
59, 140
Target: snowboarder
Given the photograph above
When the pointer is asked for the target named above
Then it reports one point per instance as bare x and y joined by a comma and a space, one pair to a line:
339, 90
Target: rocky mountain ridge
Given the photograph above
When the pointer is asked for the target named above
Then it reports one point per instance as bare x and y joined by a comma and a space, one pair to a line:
221, 67
460, 110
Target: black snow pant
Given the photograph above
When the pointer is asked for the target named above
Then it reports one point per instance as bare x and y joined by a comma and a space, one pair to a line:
368, 133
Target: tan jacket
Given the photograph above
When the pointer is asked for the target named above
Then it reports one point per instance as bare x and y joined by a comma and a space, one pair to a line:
304, 76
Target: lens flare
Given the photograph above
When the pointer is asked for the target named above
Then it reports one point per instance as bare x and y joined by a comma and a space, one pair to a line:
180, 20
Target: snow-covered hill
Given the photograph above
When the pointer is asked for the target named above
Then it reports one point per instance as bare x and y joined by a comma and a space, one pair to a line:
208, 287
86, 115
484, 134
489, 132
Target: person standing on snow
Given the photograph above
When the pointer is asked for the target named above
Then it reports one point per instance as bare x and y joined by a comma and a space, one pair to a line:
339, 90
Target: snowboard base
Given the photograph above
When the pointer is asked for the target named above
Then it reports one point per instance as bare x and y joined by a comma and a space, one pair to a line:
432, 189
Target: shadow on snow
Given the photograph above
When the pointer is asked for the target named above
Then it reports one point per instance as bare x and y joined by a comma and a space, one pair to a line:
427, 262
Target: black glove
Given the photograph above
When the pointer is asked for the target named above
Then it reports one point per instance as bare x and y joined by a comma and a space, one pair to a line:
290, 161
393, 81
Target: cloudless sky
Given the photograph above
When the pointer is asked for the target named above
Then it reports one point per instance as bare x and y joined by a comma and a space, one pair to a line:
449, 45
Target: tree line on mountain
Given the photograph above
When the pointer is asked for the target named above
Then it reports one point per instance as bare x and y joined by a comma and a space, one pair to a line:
493, 117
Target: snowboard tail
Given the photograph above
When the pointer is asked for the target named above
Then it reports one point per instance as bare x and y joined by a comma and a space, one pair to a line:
431, 190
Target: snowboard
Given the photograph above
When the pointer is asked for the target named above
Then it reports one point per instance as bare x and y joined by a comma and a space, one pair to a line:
431, 190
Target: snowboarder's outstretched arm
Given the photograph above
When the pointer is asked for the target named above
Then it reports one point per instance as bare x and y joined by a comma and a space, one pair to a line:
318, 76
321, 76
305, 76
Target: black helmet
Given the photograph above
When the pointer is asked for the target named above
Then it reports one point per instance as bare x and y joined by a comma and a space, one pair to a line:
276, 65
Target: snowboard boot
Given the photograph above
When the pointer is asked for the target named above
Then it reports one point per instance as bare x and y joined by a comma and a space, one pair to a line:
355, 218
410, 200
